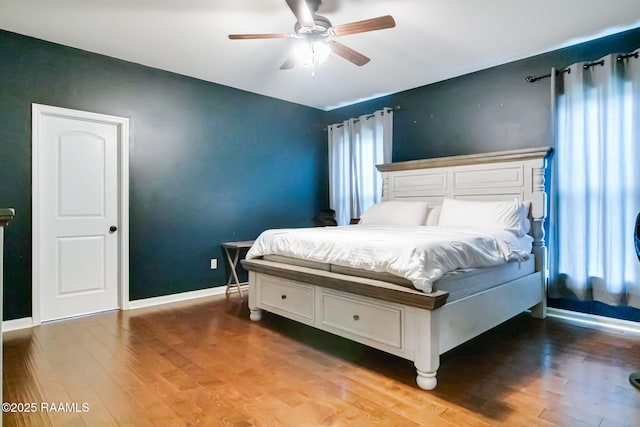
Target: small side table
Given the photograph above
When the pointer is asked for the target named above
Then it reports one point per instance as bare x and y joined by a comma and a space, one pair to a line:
233, 250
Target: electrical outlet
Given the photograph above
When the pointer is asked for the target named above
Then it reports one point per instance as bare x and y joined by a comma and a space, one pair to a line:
214, 263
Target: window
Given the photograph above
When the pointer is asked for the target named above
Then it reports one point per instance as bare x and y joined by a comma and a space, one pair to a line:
356, 146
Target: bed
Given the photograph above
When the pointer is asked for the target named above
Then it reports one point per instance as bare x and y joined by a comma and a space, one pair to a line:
420, 324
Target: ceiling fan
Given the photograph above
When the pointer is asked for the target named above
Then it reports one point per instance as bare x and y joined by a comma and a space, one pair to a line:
318, 33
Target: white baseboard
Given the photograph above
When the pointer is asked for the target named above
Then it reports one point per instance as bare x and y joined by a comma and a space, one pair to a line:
183, 296
27, 322
601, 323
15, 324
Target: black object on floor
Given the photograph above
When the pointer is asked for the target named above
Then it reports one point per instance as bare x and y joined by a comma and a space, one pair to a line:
634, 379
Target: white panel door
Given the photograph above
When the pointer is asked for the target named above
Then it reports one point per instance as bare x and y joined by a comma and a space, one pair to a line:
78, 216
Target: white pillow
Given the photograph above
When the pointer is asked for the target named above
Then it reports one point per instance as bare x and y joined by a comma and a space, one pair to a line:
508, 215
433, 215
395, 213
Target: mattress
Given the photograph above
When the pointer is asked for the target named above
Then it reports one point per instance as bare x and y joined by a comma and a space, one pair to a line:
459, 283
420, 254
462, 283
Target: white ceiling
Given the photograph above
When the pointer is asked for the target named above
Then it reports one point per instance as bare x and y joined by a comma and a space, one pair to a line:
434, 39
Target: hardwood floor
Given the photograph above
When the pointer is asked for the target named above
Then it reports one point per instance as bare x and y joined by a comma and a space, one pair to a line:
205, 363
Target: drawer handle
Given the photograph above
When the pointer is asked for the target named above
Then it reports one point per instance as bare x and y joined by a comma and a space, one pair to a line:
283, 296
356, 317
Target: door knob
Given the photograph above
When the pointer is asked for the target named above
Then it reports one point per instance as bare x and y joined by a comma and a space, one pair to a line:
113, 229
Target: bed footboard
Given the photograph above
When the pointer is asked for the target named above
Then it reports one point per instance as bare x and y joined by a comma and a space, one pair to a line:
416, 333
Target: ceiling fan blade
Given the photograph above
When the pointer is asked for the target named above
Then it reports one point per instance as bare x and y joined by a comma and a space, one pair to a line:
372, 24
258, 36
301, 10
288, 64
348, 53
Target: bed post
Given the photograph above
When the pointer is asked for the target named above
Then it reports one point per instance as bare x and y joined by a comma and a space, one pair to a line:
255, 313
385, 186
427, 358
539, 214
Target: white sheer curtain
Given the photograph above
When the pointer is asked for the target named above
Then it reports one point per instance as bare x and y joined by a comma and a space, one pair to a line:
597, 183
356, 146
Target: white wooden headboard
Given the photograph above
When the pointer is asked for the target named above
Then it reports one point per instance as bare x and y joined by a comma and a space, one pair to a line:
502, 175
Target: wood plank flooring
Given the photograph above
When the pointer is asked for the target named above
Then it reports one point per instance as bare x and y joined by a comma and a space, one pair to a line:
205, 363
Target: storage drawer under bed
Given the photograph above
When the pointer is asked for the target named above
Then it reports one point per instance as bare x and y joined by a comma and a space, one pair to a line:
287, 298
364, 321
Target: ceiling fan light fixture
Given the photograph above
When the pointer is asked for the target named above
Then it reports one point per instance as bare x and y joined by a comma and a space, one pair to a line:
311, 54
321, 51
303, 53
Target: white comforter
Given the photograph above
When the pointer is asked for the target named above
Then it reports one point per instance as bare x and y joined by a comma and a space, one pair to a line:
420, 254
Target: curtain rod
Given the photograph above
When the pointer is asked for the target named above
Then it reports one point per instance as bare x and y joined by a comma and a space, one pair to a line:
368, 116
532, 79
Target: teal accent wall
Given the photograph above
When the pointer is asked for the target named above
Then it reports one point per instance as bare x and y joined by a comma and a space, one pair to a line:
208, 163
489, 110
